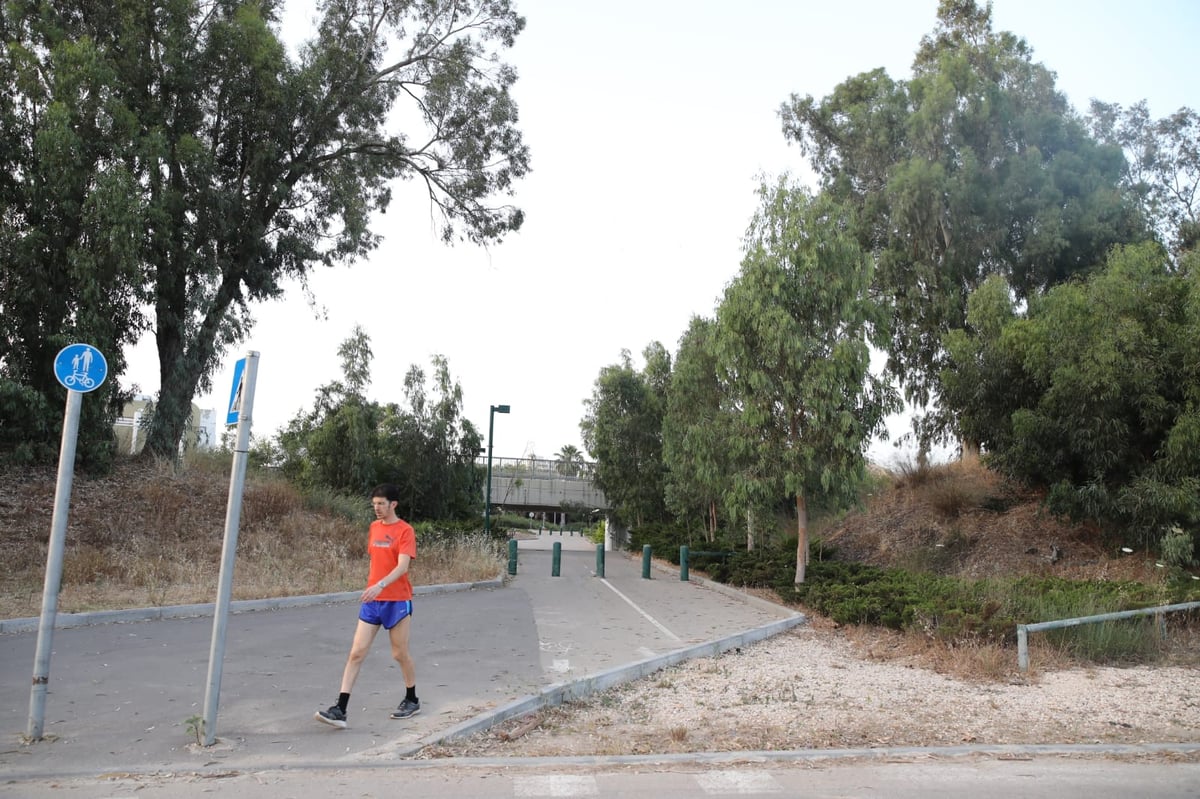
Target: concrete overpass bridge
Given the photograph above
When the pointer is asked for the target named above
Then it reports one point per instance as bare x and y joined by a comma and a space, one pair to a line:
524, 485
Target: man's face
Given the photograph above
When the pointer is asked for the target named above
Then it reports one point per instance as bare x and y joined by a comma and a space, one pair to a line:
382, 507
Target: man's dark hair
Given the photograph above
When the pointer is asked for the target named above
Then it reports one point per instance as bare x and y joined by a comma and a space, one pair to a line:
389, 491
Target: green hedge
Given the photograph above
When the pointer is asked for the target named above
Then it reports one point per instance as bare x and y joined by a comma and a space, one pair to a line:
947, 608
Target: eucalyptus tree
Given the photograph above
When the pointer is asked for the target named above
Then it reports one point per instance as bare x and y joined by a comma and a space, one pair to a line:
334, 444
429, 449
622, 431
792, 342
229, 165
975, 166
70, 231
349, 443
1162, 166
695, 430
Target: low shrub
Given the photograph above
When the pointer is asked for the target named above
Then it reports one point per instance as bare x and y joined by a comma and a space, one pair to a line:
958, 611
326, 500
664, 540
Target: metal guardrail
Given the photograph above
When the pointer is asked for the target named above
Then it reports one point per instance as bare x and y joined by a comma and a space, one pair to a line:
1023, 630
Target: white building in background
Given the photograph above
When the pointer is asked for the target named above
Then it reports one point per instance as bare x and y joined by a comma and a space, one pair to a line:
131, 433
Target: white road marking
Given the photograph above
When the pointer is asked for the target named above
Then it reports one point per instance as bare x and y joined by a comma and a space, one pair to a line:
727, 782
646, 615
555, 785
560, 666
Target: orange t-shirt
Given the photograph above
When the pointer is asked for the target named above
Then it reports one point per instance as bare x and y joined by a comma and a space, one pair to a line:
386, 543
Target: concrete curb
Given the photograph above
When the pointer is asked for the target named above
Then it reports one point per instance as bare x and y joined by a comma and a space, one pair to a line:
891, 753
601, 681
63, 621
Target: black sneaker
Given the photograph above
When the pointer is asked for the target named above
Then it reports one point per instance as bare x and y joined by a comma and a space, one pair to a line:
334, 717
408, 707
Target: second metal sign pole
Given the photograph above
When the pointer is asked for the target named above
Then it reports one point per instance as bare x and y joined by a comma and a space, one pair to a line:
233, 513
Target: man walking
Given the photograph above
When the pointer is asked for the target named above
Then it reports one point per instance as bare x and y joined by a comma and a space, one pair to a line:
386, 603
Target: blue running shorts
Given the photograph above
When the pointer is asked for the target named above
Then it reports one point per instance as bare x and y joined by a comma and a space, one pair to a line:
388, 614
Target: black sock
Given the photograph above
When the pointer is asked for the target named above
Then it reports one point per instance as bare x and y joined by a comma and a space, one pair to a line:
410, 693
343, 701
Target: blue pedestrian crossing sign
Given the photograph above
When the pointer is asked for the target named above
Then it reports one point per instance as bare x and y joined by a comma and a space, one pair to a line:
235, 394
80, 367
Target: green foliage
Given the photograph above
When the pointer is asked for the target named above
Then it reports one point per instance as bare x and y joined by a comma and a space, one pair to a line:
347, 444
792, 342
594, 532
195, 728
764, 567
175, 159
1178, 548
69, 267
513, 521
326, 500
951, 609
1123, 641
445, 528
1094, 393
25, 425
664, 538
696, 430
457, 533
570, 461
622, 431
1109, 641
1162, 165
974, 166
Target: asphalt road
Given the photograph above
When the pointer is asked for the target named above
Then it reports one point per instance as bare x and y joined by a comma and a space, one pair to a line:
121, 697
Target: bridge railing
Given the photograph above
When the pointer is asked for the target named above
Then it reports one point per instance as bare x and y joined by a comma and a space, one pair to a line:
543, 468
541, 482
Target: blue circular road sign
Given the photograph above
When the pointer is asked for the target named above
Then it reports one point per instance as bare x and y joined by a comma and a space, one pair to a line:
80, 367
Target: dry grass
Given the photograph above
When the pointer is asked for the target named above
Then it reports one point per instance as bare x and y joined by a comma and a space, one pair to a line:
148, 535
962, 519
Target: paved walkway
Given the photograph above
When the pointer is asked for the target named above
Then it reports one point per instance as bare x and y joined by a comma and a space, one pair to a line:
122, 695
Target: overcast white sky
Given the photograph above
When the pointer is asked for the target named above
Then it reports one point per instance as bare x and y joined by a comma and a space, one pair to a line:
650, 123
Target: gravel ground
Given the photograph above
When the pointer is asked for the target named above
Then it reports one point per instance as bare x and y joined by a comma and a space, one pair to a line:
817, 688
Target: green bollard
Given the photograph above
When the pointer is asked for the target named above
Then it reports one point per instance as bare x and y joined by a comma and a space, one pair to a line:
556, 559
645, 561
600, 560
683, 571
512, 556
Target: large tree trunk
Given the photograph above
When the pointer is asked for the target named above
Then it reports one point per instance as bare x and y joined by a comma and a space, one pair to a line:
802, 542
970, 451
749, 530
173, 409
176, 390
185, 357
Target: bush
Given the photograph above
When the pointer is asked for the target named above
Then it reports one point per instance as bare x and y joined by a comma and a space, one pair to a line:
765, 567
664, 539
957, 611
326, 500
27, 434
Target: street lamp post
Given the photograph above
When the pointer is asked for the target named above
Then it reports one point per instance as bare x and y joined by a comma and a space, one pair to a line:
487, 506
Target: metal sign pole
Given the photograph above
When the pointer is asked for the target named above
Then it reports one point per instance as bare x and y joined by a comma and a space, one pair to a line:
241, 409
79, 368
54, 565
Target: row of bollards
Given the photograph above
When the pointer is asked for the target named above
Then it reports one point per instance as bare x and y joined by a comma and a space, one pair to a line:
556, 560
